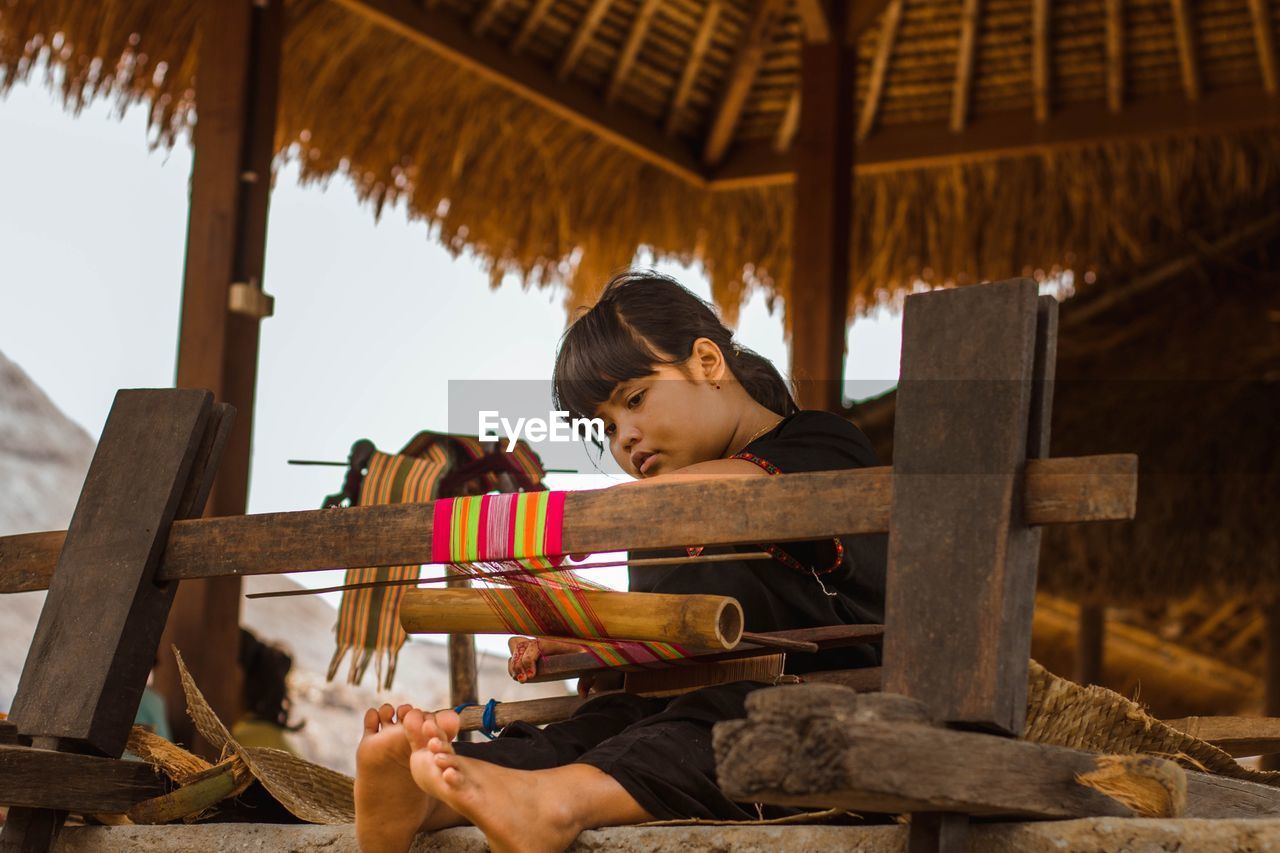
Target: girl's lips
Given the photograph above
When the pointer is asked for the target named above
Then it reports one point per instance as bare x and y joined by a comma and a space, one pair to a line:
647, 464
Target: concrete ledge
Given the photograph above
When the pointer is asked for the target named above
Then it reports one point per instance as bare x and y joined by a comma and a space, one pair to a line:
1093, 835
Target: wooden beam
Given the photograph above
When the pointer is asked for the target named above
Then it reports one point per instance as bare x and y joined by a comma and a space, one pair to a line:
237, 88
1040, 57
964, 65
862, 15
977, 409
486, 16
1184, 28
630, 50
1091, 635
790, 123
582, 37
1271, 673
85, 784
446, 35
1170, 675
814, 20
530, 25
821, 256
897, 767
1264, 34
746, 64
1013, 134
1115, 55
880, 68
1236, 736
693, 64
796, 507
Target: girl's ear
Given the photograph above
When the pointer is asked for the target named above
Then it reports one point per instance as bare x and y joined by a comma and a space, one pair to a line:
706, 361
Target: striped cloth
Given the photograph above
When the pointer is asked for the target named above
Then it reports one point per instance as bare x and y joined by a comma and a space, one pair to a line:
368, 620
495, 537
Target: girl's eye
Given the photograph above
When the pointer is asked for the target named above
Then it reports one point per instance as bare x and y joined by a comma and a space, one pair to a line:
610, 429
635, 399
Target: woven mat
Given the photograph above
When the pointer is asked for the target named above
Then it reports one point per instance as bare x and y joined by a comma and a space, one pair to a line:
310, 792
1096, 719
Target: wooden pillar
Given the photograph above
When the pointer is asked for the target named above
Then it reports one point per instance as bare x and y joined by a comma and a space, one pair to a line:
222, 305
1090, 643
1271, 699
823, 219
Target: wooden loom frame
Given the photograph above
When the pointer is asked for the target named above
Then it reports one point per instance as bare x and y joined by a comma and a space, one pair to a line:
970, 486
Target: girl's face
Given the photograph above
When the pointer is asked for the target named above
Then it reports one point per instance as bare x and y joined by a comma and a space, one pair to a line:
666, 421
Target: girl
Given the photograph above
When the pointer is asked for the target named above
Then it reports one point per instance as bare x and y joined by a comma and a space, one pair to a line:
679, 399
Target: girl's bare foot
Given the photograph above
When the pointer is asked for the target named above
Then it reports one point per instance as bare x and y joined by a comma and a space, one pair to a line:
519, 811
390, 808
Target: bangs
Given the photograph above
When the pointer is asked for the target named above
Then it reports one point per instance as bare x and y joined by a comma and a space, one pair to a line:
598, 351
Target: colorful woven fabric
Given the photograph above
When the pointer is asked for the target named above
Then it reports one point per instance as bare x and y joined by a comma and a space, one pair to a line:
368, 620
496, 537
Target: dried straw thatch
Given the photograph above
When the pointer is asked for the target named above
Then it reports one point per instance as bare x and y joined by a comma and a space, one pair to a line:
1186, 374
535, 196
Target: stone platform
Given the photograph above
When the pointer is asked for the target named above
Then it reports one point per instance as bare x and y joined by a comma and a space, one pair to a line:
1093, 835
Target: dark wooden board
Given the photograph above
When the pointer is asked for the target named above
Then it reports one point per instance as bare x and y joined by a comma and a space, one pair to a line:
772, 509
41, 778
961, 564
96, 639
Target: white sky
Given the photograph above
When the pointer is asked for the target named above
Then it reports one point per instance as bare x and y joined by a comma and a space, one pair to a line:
372, 319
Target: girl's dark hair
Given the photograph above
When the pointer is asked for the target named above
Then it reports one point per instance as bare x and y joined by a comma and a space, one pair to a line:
264, 668
640, 315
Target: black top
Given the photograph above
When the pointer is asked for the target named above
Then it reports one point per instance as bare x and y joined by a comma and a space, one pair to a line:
775, 597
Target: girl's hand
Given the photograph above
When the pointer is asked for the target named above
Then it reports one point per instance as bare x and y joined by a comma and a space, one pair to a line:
525, 651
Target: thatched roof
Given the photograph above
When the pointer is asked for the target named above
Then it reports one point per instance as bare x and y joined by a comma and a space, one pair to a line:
1186, 374
513, 152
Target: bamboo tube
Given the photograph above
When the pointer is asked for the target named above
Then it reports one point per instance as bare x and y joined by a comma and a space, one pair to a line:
701, 621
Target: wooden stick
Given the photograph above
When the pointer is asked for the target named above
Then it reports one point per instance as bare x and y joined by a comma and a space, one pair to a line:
779, 642
964, 66
578, 664
1115, 56
1262, 29
635, 39
793, 507
755, 40
1040, 57
538, 712
644, 561
698, 621
880, 68
1236, 736
692, 66
1184, 27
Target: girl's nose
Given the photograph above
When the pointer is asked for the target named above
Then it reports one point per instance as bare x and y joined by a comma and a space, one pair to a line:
628, 434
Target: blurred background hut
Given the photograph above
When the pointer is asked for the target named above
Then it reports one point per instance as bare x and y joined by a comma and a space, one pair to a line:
834, 155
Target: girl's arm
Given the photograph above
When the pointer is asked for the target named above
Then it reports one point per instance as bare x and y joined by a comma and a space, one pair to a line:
716, 469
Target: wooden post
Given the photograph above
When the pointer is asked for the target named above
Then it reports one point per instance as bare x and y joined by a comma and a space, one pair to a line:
98, 631
223, 303
1271, 700
973, 405
1090, 641
823, 216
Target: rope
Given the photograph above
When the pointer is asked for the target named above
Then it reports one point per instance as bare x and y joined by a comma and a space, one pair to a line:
488, 718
